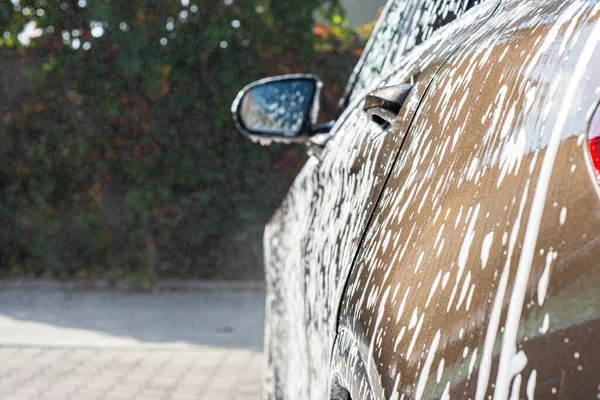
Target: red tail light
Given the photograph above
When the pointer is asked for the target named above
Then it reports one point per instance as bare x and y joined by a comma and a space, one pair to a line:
594, 143
595, 154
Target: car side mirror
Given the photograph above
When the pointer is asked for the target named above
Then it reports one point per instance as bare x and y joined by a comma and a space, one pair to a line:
279, 109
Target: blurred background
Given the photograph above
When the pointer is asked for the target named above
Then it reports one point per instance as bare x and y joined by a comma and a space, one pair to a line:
120, 168
118, 157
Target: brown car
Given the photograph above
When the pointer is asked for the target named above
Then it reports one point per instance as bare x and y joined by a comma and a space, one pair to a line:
443, 240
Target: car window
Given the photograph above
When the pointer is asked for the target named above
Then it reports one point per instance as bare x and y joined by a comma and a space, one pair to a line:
403, 25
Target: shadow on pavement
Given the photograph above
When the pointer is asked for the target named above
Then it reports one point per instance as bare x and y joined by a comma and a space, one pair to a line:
97, 319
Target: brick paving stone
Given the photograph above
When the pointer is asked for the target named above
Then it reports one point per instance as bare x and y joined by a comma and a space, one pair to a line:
155, 375
48, 354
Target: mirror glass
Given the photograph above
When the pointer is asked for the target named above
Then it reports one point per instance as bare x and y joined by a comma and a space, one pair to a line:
278, 107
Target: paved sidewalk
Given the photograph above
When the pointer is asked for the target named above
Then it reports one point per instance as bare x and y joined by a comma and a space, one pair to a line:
57, 345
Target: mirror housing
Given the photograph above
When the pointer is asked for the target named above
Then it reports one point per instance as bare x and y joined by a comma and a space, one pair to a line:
281, 109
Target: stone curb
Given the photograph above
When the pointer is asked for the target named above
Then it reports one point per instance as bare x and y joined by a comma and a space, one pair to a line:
51, 285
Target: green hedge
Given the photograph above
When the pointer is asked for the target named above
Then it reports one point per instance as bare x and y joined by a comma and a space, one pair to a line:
118, 156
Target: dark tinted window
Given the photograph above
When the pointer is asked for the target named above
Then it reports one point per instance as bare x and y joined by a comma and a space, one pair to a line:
439, 13
404, 24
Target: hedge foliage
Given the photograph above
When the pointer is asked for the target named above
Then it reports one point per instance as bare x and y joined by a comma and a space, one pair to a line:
118, 157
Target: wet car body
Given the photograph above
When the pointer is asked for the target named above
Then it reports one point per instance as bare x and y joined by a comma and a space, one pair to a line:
454, 253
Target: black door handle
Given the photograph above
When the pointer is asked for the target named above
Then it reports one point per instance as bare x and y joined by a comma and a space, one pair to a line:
383, 105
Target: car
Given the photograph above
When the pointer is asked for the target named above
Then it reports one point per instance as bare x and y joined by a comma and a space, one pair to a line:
443, 239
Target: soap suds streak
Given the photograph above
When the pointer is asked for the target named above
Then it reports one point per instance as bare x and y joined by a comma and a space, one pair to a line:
435, 274
535, 217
